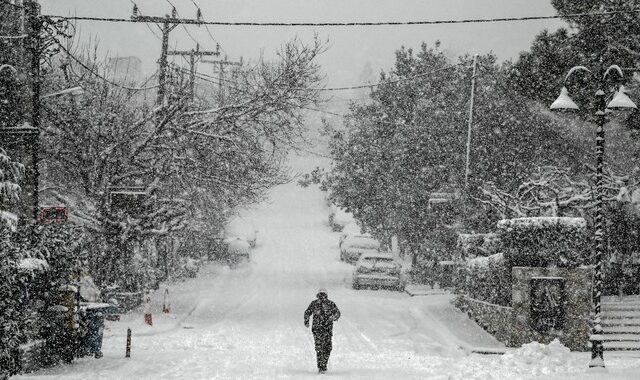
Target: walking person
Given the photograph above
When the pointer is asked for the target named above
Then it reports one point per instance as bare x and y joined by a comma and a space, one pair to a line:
324, 312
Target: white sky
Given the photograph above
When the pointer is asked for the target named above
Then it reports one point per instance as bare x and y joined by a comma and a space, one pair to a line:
350, 47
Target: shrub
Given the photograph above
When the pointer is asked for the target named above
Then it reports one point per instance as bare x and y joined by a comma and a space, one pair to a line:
544, 241
487, 280
474, 245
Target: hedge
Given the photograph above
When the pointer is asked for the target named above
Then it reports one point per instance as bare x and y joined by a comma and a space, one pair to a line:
488, 282
545, 241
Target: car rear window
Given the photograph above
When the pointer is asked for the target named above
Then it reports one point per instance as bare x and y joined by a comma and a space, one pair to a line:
378, 262
366, 243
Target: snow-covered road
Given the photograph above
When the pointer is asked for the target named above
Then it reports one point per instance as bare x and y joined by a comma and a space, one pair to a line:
247, 323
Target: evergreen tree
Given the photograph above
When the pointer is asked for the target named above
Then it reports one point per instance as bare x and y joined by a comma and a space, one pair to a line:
411, 142
593, 41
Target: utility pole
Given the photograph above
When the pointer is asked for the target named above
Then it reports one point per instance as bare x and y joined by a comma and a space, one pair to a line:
221, 64
470, 124
162, 62
168, 24
32, 15
192, 54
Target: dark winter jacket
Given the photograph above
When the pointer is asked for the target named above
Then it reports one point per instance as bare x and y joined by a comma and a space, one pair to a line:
324, 313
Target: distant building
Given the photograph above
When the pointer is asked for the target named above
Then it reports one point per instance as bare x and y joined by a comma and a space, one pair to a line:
125, 69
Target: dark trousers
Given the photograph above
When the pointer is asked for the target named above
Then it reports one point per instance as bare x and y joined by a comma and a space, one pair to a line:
323, 348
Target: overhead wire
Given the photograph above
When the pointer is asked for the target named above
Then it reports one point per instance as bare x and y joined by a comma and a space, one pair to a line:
370, 85
148, 27
183, 27
357, 23
209, 30
92, 71
212, 80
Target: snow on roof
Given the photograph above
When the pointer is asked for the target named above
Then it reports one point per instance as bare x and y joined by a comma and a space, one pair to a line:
542, 221
31, 264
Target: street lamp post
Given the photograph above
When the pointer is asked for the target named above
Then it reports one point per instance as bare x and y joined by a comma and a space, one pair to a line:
620, 101
29, 130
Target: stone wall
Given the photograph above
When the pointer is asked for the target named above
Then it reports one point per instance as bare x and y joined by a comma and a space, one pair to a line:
495, 319
577, 306
513, 325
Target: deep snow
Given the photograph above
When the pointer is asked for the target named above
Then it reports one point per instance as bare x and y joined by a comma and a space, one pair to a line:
248, 323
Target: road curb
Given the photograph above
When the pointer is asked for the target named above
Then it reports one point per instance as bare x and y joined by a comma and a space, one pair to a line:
419, 290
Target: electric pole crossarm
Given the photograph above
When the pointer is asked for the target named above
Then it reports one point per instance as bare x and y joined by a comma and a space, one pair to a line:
170, 20
194, 52
222, 62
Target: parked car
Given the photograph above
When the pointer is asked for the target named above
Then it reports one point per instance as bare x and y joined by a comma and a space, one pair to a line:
378, 270
238, 251
354, 245
242, 229
351, 229
191, 267
338, 218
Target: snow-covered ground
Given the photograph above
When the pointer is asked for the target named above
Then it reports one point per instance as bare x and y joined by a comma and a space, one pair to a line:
248, 323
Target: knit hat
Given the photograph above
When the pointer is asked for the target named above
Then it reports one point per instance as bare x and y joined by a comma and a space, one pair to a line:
322, 290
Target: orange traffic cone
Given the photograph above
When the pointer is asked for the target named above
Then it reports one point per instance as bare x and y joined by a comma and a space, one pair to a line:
148, 319
166, 306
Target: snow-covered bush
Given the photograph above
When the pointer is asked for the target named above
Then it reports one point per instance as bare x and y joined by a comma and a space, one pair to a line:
11, 173
9, 301
486, 279
35, 262
544, 241
473, 245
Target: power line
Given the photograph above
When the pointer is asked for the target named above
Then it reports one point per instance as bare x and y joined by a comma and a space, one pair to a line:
210, 79
385, 83
148, 27
345, 116
91, 71
183, 27
209, 30
325, 111
364, 85
357, 23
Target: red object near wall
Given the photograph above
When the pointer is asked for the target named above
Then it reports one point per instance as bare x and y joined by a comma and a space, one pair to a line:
58, 214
